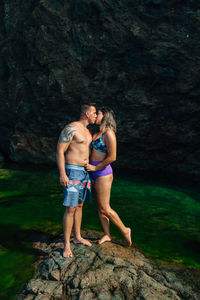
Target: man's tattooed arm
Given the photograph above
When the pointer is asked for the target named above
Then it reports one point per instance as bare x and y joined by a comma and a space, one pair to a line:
67, 134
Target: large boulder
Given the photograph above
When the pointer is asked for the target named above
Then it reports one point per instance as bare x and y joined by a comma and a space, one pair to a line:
106, 272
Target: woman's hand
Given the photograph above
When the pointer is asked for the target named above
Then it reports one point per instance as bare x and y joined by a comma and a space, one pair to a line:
90, 167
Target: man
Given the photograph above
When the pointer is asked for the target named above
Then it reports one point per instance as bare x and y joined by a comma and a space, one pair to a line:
72, 155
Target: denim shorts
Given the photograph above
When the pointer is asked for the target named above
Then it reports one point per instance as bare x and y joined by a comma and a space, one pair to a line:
79, 188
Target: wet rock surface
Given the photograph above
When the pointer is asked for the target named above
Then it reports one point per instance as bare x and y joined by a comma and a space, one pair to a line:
107, 271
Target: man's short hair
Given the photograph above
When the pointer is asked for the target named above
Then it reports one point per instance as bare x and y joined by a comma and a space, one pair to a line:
86, 106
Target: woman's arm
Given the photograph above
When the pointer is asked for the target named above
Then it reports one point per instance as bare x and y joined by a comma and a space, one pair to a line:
111, 144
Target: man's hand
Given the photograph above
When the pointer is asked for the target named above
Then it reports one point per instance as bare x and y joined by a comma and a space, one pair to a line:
64, 181
90, 167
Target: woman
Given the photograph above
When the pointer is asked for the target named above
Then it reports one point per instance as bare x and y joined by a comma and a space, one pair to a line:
104, 153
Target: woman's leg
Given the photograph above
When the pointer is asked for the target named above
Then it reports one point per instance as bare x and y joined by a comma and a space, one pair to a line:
102, 194
105, 222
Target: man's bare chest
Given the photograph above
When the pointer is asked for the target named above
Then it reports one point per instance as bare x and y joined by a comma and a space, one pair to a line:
82, 138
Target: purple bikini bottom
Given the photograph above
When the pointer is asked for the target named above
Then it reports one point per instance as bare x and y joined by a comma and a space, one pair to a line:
103, 172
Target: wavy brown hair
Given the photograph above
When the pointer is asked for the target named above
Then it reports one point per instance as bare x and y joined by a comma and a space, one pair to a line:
108, 120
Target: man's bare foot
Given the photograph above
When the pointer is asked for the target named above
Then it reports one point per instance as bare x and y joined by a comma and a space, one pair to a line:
127, 236
82, 241
105, 238
67, 252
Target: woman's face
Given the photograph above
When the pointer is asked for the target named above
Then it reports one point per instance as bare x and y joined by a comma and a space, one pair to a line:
99, 117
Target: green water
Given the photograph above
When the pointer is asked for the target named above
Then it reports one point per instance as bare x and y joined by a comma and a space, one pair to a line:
165, 219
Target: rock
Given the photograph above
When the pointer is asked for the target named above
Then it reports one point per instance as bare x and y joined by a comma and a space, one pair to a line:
1, 159
140, 58
107, 271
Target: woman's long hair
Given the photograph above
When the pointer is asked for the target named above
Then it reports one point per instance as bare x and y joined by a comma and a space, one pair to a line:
108, 120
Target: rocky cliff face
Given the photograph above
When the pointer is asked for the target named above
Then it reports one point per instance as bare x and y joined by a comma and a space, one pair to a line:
140, 58
109, 271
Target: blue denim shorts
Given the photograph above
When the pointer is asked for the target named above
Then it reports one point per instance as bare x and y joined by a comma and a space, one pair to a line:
79, 188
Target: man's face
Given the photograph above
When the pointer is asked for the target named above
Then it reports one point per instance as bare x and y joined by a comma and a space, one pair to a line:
99, 117
92, 115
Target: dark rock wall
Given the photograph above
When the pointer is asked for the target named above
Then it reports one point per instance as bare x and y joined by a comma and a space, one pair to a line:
141, 58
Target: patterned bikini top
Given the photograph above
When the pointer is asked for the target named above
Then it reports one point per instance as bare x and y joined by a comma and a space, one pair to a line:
99, 145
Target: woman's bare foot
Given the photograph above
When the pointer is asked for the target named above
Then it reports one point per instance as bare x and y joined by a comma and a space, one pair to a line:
105, 238
127, 236
67, 252
82, 241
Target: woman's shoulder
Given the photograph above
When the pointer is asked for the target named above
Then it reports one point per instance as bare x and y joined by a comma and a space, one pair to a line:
109, 131
109, 134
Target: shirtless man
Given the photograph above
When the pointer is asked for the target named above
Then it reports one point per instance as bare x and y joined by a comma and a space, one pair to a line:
72, 155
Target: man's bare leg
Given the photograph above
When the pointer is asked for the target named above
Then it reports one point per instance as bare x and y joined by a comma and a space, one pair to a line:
68, 220
77, 227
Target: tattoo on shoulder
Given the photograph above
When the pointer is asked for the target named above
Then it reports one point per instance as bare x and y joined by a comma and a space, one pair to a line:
66, 134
